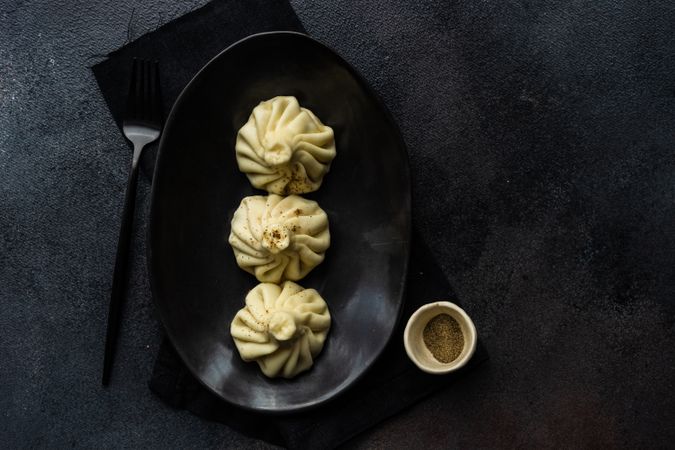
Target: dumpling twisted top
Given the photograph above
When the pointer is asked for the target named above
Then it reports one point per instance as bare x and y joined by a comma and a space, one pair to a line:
279, 238
284, 148
282, 328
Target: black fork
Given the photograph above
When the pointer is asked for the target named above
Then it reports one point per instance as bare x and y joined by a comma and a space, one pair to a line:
142, 125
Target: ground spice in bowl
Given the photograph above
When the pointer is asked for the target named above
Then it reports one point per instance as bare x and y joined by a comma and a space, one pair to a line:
444, 338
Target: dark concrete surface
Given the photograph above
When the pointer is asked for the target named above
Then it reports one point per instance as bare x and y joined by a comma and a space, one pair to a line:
542, 144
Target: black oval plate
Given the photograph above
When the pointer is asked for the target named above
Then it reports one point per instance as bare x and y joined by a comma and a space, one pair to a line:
196, 283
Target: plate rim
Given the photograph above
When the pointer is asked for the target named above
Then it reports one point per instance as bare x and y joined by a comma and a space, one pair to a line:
406, 203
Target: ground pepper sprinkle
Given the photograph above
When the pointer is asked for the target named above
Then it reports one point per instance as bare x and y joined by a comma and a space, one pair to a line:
443, 337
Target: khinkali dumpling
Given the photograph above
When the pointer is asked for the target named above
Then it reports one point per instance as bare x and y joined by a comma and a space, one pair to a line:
284, 148
282, 328
279, 238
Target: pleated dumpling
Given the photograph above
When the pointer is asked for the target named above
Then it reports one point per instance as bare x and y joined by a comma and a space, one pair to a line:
279, 238
282, 328
284, 148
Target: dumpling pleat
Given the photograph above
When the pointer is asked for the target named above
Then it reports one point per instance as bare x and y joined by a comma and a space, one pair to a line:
303, 223
255, 342
282, 125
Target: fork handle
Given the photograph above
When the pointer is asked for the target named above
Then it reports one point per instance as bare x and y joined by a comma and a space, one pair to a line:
119, 283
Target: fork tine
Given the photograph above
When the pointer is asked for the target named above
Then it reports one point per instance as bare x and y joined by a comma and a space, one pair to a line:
151, 91
147, 100
138, 95
155, 94
131, 97
142, 100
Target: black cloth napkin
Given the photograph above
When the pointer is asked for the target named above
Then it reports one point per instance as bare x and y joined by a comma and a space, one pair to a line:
183, 46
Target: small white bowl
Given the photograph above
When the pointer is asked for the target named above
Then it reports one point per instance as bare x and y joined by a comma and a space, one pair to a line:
416, 348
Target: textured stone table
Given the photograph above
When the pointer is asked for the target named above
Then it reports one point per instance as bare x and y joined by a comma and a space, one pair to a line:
541, 138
